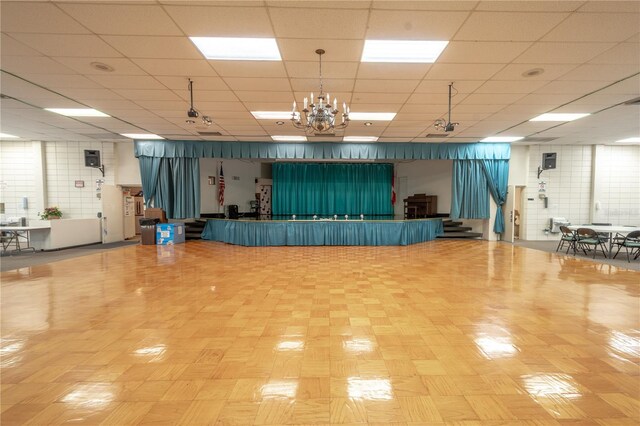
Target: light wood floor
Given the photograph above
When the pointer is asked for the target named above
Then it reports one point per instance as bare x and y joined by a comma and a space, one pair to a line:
205, 333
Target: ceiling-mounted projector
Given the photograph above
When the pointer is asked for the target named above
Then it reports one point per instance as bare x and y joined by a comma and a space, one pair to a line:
446, 125
192, 113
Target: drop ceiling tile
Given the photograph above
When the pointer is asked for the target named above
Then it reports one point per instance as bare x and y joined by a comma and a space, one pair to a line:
513, 26
386, 86
608, 6
562, 53
176, 67
546, 99
83, 66
250, 68
604, 100
257, 96
265, 84
506, 86
94, 94
127, 81
61, 81
138, 115
384, 98
630, 87
388, 71
414, 25
415, 124
212, 21
453, 72
12, 47
33, 64
476, 109
492, 99
424, 5
604, 73
576, 88
330, 84
362, 107
68, 45
147, 95
106, 105
434, 98
393, 139
296, 49
201, 83
530, 6
154, 47
125, 19
228, 106
300, 22
623, 53
46, 18
599, 27
270, 106
393, 132
329, 69
487, 52
514, 72
163, 105
423, 109
442, 86
203, 97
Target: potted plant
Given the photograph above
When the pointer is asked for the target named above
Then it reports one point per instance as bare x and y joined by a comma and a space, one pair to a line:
51, 213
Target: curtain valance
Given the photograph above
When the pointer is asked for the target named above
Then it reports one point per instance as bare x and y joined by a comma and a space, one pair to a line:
324, 150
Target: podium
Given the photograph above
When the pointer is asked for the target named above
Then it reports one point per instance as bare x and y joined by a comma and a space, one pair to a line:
420, 206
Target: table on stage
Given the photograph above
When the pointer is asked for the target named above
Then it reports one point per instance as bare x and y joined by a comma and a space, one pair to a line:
322, 232
610, 230
14, 234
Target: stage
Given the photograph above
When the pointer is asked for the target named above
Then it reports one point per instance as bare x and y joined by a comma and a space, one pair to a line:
322, 232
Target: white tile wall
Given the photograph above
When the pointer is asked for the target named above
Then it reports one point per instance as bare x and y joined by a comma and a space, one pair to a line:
17, 180
617, 185
64, 165
568, 188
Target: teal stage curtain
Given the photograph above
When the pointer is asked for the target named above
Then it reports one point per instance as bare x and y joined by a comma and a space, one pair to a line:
327, 189
497, 175
324, 150
472, 181
173, 184
322, 233
469, 194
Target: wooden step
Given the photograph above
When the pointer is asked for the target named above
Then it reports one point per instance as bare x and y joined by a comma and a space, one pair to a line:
470, 235
457, 228
447, 223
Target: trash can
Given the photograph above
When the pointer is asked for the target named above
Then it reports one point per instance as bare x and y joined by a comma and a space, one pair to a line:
148, 230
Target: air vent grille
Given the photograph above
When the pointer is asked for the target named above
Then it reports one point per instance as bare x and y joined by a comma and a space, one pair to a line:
436, 135
210, 133
538, 139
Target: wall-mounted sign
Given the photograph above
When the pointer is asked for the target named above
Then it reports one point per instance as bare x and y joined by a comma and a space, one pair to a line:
79, 184
212, 180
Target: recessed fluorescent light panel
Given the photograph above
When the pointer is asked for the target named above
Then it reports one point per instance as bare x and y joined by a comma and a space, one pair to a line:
632, 140
502, 139
271, 115
411, 51
372, 116
289, 138
558, 117
7, 136
360, 138
141, 136
78, 112
238, 49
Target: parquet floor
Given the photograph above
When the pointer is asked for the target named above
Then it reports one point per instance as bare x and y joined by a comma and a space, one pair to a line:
445, 332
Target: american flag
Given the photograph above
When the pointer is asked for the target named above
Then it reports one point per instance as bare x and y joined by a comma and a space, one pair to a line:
221, 187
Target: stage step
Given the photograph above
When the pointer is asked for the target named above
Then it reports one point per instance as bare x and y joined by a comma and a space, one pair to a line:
457, 228
447, 223
470, 235
193, 230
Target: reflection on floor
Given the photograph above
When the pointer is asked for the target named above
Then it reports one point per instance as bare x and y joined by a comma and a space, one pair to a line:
206, 333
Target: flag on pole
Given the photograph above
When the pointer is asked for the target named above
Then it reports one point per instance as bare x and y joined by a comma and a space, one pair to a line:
221, 187
393, 189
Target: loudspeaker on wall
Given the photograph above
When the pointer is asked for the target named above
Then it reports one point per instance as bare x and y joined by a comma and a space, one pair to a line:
91, 158
549, 160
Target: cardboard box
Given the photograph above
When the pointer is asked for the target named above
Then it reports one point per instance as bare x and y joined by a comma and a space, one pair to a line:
169, 233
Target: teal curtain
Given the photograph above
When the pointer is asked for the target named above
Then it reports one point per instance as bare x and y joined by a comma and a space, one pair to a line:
173, 184
497, 175
324, 150
327, 189
469, 194
149, 168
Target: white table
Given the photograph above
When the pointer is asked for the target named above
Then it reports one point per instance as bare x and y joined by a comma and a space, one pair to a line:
607, 229
16, 233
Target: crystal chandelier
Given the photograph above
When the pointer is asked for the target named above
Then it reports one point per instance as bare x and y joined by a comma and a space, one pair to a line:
320, 116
